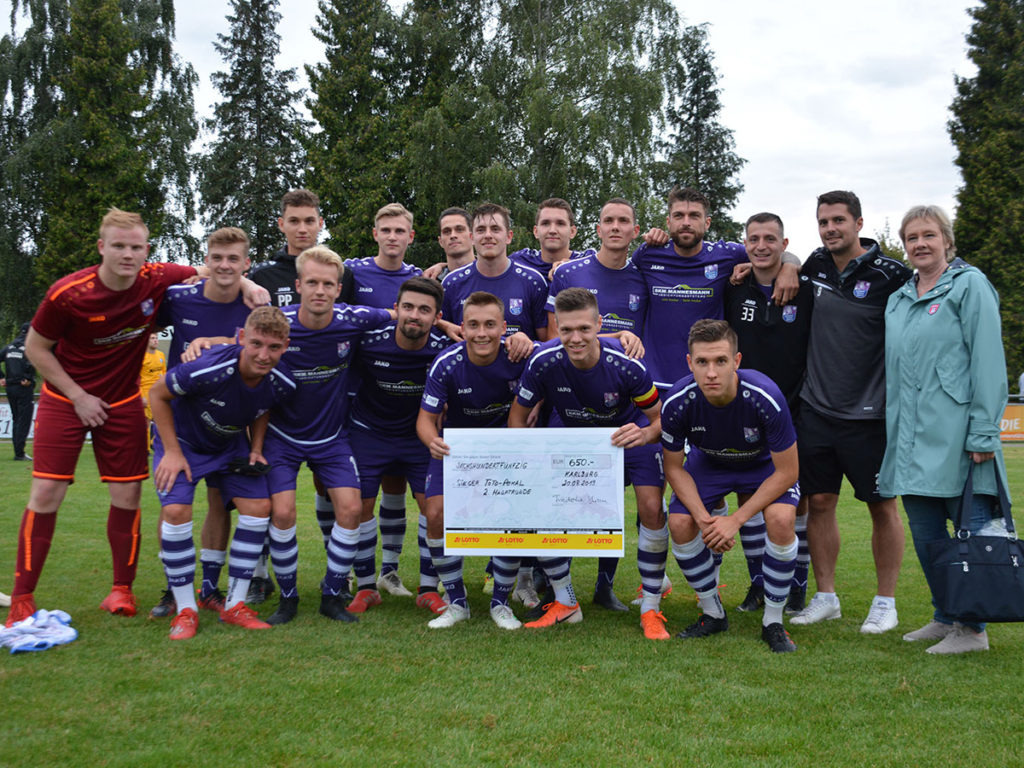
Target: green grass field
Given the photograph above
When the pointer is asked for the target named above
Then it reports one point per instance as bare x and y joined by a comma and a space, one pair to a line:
389, 691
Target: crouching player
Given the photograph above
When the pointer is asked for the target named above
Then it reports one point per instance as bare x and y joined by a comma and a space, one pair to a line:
741, 440
590, 382
201, 410
476, 381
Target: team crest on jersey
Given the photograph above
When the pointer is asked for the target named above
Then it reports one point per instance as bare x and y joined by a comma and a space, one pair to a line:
788, 313
710, 271
634, 302
147, 307
860, 290
933, 309
343, 348
751, 434
515, 306
611, 399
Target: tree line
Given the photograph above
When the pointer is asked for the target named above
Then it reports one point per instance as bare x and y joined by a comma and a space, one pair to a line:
443, 102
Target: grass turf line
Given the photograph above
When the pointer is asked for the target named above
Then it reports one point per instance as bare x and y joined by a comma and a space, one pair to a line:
389, 691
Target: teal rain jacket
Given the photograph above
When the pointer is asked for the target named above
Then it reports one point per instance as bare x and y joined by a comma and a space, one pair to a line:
945, 385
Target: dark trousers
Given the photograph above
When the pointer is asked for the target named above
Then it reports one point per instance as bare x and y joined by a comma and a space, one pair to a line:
20, 399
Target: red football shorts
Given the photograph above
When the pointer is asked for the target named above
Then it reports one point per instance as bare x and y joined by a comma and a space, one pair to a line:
119, 444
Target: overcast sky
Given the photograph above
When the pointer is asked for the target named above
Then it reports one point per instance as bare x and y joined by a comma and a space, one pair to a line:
819, 95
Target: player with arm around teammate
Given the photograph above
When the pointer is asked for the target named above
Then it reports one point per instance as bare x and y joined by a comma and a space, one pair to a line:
311, 428
741, 440
201, 410
392, 364
469, 385
589, 381
87, 341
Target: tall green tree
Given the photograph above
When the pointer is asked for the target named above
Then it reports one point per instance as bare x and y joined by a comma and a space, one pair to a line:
257, 151
987, 129
356, 158
82, 81
583, 84
700, 149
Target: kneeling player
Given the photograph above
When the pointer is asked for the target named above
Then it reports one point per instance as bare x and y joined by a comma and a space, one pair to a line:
476, 381
201, 410
741, 440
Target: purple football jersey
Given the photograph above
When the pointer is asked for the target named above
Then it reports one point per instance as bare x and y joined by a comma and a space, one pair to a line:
213, 406
521, 289
745, 432
191, 315
531, 257
321, 364
610, 394
391, 381
621, 293
681, 291
377, 287
476, 395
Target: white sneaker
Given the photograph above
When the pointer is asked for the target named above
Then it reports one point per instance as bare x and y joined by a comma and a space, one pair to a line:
819, 609
526, 594
504, 618
933, 630
452, 615
881, 618
961, 640
391, 583
5, 600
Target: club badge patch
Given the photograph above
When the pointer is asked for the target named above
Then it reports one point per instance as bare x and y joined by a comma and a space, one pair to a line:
751, 434
860, 290
933, 309
634, 302
147, 307
710, 271
515, 306
788, 313
343, 348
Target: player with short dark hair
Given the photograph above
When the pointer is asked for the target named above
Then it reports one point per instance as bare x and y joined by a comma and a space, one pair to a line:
521, 289
470, 385
554, 228
392, 364
455, 236
741, 440
772, 340
201, 410
589, 381
842, 417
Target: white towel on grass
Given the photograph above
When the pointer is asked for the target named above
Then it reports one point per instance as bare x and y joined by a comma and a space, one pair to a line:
39, 632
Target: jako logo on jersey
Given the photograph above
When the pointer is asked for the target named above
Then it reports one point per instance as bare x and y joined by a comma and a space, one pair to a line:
563, 389
515, 306
751, 434
365, 289
634, 302
656, 268
147, 307
611, 399
380, 363
860, 290
788, 313
343, 348
710, 271
933, 309
187, 321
